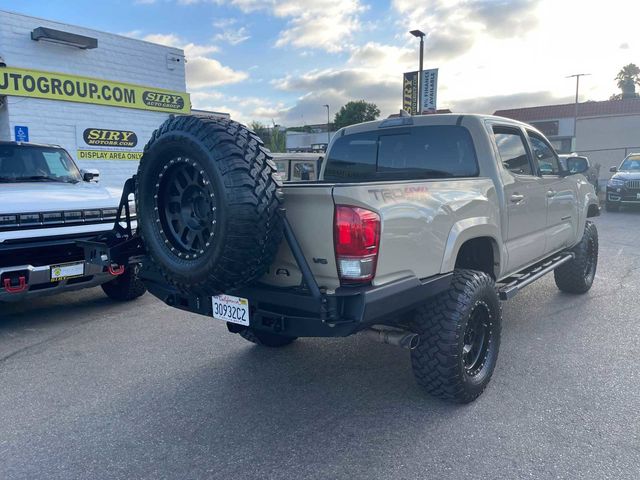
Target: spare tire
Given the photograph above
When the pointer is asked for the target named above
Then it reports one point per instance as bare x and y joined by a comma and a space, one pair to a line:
209, 203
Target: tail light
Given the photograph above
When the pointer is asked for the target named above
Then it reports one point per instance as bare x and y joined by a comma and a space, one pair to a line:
357, 240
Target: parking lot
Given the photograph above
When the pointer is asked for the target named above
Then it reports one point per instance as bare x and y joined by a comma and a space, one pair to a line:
94, 389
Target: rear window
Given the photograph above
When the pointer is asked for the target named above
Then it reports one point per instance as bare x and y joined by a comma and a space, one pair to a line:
440, 151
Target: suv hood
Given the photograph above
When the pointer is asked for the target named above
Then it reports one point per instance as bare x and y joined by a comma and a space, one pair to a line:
48, 196
627, 175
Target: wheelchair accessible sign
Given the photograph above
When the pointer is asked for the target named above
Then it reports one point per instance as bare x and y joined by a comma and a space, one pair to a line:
21, 133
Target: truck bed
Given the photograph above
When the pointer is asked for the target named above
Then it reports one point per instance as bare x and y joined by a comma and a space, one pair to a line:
418, 220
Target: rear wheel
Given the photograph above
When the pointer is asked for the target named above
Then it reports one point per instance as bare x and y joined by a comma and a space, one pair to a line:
459, 338
577, 275
125, 287
266, 339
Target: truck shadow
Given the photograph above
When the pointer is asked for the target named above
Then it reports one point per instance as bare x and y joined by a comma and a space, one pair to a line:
334, 408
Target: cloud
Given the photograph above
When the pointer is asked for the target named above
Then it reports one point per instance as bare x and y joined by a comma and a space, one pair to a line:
454, 26
233, 36
488, 105
201, 71
223, 23
315, 24
208, 72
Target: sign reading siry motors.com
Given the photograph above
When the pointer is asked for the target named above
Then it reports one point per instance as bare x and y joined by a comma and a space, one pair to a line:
71, 88
96, 143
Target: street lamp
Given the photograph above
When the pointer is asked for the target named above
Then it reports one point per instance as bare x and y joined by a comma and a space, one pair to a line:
575, 114
419, 34
328, 125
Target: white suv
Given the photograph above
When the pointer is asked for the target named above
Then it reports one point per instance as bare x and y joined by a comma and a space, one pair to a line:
46, 205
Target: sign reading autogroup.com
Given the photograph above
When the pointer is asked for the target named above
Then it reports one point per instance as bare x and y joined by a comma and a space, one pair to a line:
71, 88
107, 144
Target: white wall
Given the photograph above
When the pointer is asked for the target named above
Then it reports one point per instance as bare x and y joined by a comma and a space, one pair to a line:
607, 140
117, 58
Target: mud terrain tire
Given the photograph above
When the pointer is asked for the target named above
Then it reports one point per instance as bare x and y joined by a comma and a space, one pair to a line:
209, 203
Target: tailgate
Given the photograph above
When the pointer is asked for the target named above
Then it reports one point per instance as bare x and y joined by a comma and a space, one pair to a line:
310, 212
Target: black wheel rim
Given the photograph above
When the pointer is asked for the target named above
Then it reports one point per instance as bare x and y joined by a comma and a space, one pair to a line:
477, 339
186, 207
590, 264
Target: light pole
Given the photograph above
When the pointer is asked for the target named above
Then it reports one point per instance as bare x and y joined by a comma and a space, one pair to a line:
419, 34
575, 113
328, 127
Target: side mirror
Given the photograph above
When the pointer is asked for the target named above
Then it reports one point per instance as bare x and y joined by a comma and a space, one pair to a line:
613, 169
90, 174
577, 165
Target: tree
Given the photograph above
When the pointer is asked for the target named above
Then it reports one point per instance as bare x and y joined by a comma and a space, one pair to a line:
261, 130
278, 140
356, 112
627, 79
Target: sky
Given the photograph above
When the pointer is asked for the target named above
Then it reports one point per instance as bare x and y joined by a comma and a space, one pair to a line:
280, 61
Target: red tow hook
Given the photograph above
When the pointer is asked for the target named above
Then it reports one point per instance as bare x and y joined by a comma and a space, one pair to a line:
116, 271
22, 285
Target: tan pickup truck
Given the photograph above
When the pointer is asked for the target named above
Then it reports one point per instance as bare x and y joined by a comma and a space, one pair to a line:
415, 230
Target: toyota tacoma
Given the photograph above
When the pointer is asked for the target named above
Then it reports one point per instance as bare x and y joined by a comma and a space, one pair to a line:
414, 232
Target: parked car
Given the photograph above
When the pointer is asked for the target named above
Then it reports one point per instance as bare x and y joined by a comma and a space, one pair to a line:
46, 205
624, 187
416, 229
295, 167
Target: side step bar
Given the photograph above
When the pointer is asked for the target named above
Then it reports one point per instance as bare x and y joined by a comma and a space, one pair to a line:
518, 281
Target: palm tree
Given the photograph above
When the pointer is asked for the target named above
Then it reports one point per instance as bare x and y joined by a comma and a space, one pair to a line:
628, 77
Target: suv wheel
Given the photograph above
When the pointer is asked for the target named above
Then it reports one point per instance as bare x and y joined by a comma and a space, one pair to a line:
126, 286
266, 339
577, 275
459, 338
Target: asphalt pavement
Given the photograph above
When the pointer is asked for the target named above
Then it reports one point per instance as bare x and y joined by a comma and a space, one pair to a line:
92, 389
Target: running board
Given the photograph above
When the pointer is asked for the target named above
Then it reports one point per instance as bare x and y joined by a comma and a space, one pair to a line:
518, 281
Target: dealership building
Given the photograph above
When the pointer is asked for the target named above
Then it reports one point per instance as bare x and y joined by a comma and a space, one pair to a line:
605, 131
98, 95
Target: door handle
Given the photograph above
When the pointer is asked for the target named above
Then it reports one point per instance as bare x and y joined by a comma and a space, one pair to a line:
551, 193
517, 198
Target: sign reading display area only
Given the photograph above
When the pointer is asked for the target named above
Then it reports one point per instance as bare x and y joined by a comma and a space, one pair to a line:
113, 142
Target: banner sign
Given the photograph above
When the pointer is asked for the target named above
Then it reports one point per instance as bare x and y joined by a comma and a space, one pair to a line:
410, 93
71, 88
100, 143
429, 82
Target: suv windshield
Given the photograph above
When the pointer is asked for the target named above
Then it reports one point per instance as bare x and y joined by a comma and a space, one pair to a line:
27, 163
631, 163
438, 151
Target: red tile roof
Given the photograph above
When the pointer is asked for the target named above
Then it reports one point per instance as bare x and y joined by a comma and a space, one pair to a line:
587, 109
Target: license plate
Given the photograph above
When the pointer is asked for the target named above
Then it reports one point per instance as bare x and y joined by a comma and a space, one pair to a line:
67, 270
231, 309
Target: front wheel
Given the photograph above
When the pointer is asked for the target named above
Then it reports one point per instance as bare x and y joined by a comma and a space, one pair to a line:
577, 275
459, 338
125, 287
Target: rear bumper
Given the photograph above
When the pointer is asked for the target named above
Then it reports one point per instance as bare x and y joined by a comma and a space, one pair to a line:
298, 314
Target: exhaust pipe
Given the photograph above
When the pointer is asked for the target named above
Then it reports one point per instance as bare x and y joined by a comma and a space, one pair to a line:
399, 338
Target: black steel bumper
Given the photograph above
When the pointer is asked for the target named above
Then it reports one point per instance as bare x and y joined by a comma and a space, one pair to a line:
299, 314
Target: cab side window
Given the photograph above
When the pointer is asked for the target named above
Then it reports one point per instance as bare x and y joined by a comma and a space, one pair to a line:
543, 155
513, 153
